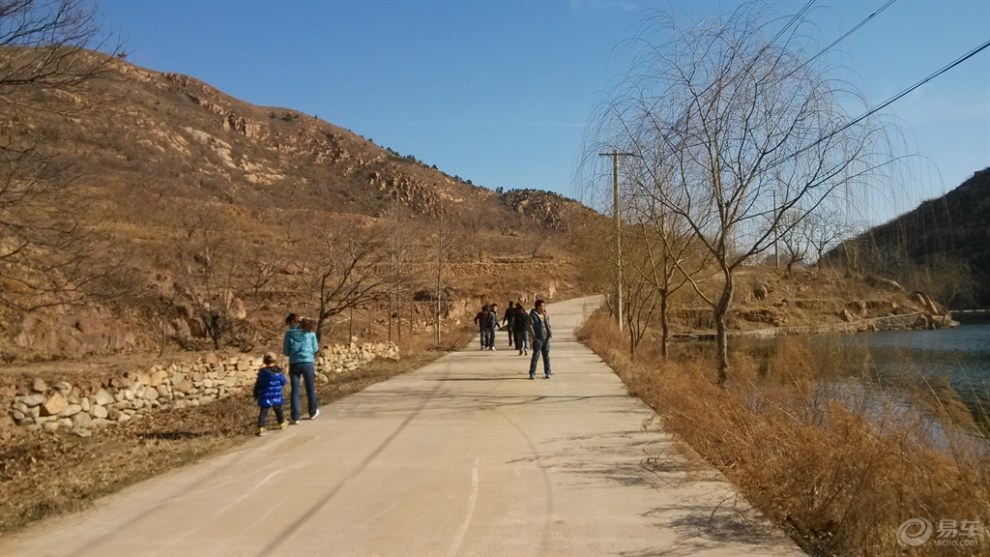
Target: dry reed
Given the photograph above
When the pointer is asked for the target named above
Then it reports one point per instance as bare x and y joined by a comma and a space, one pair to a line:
838, 460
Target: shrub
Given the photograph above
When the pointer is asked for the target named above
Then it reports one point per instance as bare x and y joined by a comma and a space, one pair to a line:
835, 459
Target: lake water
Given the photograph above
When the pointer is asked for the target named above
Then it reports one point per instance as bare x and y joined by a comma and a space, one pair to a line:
961, 355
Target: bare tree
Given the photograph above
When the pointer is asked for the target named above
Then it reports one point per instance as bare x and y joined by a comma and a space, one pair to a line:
810, 234
47, 256
537, 244
44, 45
262, 274
442, 248
823, 230
948, 278
640, 296
209, 270
352, 270
596, 256
796, 246
399, 251
165, 309
671, 255
747, 132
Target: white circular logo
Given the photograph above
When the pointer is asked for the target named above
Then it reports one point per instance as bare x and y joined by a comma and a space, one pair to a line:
914, 532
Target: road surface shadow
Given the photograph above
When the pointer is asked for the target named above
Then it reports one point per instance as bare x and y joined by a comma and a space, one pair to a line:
699, 529
525, 378
172, 435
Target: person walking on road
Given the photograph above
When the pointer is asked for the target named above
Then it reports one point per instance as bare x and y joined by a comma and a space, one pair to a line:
481, 320
520, 329
268, 392
540, 331
300, 346
492, 323
510, 313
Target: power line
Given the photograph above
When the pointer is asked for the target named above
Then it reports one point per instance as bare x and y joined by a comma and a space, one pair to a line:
896, 97
793, 20
844, 35
961, 59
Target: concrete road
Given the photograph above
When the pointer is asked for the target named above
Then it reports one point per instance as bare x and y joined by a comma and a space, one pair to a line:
466, 456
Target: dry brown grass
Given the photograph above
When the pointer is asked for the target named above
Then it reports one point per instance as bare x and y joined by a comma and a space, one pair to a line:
838, 461
49, 474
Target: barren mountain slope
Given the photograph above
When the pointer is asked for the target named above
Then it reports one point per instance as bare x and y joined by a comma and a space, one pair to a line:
947, 238
191, 200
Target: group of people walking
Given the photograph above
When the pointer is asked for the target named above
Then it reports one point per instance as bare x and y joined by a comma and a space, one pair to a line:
301, 346
487, 322
523, 328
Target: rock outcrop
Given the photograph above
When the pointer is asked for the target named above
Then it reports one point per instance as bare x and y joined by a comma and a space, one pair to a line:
549, 210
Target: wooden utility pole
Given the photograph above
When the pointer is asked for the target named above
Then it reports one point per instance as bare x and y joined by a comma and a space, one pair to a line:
617, 216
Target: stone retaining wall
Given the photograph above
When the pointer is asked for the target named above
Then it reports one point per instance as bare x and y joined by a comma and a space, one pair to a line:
84, 406
906, 322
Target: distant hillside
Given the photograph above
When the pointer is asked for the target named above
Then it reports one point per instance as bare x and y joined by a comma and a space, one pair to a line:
180, 135
155, 198
945, 237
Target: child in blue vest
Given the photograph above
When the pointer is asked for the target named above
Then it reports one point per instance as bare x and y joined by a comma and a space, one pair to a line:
268, 392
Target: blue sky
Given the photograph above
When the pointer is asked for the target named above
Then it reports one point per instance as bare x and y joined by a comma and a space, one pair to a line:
500, 92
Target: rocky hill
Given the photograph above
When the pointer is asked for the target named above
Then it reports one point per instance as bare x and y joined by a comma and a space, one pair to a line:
185, 137
154, 198
942, 247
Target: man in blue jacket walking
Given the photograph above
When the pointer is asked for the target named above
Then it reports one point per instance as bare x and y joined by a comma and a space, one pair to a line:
300, 346
540, 332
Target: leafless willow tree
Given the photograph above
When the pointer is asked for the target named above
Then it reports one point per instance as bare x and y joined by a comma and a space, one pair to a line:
352, 270
735, 131
47, 256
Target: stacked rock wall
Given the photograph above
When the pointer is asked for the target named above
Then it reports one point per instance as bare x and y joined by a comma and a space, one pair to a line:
86, 405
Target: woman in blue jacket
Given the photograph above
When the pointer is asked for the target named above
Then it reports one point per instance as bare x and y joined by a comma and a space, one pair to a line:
300, 346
